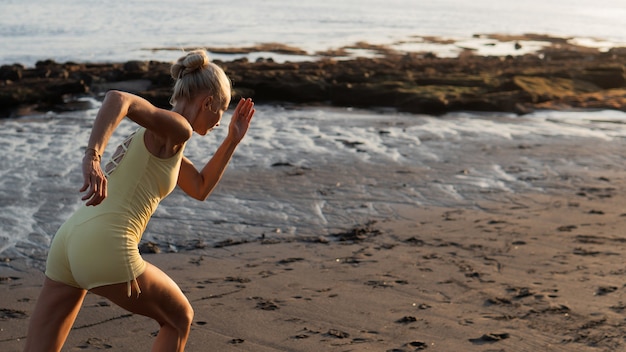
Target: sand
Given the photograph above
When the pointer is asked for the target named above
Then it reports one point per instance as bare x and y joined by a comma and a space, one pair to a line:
539, 270
542, 273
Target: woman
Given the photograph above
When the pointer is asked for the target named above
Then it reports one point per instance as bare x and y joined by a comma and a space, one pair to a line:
96, 248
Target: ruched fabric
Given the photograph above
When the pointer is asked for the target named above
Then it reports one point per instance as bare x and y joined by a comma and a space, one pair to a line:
98, 245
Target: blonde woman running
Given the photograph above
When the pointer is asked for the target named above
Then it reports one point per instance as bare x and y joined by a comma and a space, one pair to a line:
96, 249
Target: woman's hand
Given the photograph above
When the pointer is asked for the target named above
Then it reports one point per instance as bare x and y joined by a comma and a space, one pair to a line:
240, 121
95, 183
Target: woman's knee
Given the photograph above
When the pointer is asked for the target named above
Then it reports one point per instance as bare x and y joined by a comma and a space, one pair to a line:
188, 314
183, 318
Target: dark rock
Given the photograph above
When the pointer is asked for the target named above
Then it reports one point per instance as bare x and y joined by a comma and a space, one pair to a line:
604, 77
558, 77
11, 72
617, 52
136, 66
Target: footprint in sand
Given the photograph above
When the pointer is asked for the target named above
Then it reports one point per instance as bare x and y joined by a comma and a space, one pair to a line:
95, 343
489, 338
6, 314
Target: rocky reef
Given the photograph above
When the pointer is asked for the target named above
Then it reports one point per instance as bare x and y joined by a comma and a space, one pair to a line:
557, 77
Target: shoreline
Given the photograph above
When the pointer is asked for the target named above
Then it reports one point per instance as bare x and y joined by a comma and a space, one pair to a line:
557, 76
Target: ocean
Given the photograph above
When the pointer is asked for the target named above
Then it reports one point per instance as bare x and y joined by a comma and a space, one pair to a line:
301, 171
116, 30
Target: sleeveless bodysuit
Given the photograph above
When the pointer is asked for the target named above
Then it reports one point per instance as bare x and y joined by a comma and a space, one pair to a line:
98, 245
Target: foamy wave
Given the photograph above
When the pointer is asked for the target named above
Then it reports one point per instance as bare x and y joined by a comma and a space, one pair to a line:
302, 171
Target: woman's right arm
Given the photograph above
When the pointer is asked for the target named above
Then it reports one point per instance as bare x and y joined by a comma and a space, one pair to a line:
116, 105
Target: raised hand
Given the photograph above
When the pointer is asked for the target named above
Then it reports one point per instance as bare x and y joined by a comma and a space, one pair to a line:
240, 121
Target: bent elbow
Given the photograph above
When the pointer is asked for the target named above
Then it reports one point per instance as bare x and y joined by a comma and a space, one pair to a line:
187, 133
182, 134
114, 96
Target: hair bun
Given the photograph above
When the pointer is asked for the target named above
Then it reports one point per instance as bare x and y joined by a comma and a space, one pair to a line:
193, 61
195, 74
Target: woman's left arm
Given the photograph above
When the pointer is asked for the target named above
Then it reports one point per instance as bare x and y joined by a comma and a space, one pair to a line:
199, 184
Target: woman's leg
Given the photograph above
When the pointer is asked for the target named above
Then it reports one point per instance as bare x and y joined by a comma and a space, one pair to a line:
160, 299
53, 317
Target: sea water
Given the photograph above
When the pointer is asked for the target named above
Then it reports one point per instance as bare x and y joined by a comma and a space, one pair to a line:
119, 30
300, 172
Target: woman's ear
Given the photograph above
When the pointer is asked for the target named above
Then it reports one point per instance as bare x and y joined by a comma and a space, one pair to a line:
207, 104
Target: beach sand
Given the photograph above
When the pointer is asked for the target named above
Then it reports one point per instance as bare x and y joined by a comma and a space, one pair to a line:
531, 271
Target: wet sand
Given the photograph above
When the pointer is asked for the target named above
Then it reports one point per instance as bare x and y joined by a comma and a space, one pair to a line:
538, 270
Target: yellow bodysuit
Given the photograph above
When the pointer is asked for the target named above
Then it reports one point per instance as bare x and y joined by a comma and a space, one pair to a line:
98, 245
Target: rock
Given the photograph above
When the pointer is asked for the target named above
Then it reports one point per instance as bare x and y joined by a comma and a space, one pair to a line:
560, 77
11, 72
617, 52
136, 66
543, 89
605, 77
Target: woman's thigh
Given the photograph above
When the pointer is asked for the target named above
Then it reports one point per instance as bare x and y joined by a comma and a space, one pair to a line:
53, 317
160, 297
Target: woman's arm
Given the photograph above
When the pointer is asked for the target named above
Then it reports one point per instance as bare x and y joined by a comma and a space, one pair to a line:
171, 126
116, 105
200, 184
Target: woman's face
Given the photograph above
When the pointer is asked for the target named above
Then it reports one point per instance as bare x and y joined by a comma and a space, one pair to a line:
212, 116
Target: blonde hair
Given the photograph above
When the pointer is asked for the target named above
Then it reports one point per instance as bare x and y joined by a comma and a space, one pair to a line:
195, 73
